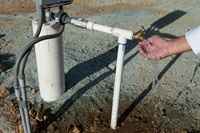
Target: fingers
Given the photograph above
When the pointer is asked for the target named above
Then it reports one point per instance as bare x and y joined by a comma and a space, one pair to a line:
152, 48
146, 45
142, 50
147, 52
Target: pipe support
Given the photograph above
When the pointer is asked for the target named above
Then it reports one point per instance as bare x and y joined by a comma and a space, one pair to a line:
50, 63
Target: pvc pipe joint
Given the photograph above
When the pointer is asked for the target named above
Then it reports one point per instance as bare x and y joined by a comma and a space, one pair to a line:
122, 40
50, 62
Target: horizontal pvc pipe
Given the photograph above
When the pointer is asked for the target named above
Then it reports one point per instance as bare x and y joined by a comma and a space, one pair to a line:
98, 27
118, 77
114, 31
50, 62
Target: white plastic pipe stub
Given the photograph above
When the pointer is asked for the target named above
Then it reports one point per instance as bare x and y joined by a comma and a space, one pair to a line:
50, 62
118, 78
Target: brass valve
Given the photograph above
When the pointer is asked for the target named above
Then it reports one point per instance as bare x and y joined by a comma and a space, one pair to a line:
139, 35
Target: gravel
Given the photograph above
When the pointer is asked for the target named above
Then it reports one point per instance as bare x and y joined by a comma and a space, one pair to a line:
90, 57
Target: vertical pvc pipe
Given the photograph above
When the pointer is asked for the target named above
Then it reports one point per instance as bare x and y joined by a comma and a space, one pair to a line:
50, 63
118, 77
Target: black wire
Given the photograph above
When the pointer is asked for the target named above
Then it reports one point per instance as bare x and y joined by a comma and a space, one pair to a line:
29, 47
21, 62
37, 33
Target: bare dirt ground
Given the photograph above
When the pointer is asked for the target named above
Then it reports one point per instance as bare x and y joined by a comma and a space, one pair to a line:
172, 107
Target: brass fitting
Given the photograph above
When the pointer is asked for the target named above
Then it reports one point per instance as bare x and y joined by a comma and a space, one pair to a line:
139, 35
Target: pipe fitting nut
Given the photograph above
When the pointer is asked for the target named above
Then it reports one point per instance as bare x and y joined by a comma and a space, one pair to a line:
60, 17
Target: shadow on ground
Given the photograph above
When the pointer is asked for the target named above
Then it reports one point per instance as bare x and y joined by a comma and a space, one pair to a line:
6, 59
154, 30
74, 75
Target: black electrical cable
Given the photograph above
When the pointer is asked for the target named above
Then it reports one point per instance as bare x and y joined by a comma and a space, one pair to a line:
20, 67
41, 20
24, 111
37, 33
29, 46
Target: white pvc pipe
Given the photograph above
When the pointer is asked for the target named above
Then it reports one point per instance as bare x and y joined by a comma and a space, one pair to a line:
114, 31
122, 35
118, 77
106, 29
50, 63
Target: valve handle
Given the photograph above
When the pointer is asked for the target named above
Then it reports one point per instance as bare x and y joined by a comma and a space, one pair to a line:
139, 34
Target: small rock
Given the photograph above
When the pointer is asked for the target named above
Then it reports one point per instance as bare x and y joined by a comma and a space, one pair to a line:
39, 116
35, 130
30, 112
33, 91
101, 10
2, 68
4, 92
184, 131
18, 116
39, 107
59, 119
21, 130
29, 89
2, 42
66, 113
33, 113
111, 66
99, 111
92, 129
76, 130
33, 122
45, 117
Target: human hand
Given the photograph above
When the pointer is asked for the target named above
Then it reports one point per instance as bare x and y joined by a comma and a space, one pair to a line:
154, 48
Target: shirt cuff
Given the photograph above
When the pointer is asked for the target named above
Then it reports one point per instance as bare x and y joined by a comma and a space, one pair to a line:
193, 38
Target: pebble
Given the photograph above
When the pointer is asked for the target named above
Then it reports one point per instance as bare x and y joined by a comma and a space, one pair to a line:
33, 92
29, 89
101, 10
21, 130
2, 42
45, 117
39, 107
4, 92
2, 68
76, 130
184, 131
39, 116
111, 66
66, 113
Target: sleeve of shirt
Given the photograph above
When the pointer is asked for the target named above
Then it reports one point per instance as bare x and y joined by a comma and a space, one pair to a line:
193, 38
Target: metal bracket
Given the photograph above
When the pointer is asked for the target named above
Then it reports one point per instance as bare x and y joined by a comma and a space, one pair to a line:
53, 3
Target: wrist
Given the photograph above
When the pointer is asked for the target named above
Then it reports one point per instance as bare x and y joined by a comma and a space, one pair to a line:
171, 48
167, 50
178, 45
